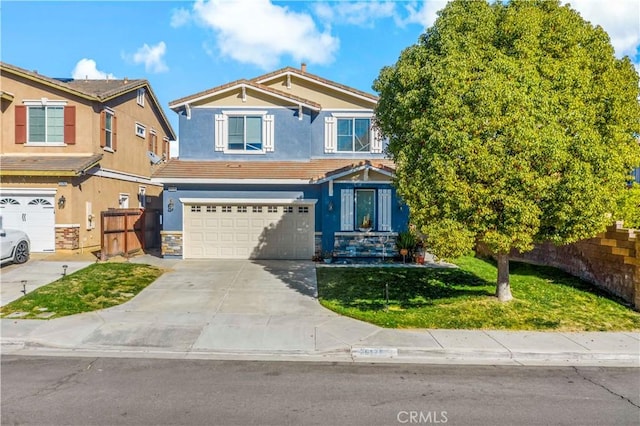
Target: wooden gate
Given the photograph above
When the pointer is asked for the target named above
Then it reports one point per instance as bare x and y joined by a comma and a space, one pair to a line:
126, 231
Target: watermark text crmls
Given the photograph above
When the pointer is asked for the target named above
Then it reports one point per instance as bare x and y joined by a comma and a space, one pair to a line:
422, 417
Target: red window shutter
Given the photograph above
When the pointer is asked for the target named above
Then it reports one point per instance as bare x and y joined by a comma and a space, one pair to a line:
103, 132
114, 133
70, 125
21, 124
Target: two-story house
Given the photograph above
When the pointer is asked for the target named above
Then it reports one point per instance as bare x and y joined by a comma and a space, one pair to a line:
281, 166
71, 149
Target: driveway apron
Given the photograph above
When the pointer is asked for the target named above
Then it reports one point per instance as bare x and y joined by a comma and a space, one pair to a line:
215, 306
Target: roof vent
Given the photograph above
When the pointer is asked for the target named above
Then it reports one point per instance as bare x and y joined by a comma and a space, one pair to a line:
303, 67
126, 80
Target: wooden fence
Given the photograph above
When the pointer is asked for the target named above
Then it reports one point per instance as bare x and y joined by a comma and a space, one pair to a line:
126, 231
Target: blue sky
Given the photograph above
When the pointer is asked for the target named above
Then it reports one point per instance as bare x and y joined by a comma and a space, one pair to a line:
183, 47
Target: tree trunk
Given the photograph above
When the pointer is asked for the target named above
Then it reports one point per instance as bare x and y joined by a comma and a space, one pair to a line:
503, 289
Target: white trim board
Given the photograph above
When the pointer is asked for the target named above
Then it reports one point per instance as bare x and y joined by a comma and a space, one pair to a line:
249, 201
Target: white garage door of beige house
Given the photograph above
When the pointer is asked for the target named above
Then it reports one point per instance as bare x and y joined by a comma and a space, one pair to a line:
233, 230
33, 213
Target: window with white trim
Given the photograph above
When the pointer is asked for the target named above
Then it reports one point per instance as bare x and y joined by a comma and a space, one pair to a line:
351, 133
108, 129
45, 124
140, 96
141, 130
142, 196
244, 132
365, 209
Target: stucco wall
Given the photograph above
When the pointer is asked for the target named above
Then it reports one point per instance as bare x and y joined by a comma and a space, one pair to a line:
295, 139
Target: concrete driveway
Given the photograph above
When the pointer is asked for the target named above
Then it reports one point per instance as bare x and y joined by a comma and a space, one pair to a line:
226, 306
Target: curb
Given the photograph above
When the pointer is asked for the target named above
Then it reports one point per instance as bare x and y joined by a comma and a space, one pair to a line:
355, 354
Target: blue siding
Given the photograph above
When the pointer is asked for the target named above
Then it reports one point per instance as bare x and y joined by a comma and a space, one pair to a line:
327, 222
295, 139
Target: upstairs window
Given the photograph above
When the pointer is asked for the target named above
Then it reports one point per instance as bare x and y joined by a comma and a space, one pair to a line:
140, 97
354, 135
108, 133
245, 133
141, 131
351, 133
46, 124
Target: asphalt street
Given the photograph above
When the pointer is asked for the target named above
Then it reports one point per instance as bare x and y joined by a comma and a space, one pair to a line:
122, 391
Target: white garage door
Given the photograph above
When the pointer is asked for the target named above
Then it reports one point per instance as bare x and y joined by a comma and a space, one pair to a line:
33, 214
248, 231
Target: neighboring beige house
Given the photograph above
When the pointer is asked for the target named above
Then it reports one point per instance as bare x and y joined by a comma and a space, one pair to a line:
70, 149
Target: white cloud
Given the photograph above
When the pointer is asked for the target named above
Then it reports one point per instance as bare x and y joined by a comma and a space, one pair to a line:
362, 14
152, 57
619, 18
423, 13
179, 18
87, 69
259, 32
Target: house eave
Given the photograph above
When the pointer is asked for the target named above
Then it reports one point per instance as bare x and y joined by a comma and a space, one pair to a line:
218, 181
244, 86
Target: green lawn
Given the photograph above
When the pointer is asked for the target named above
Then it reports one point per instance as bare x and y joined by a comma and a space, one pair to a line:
544, 298
98, 286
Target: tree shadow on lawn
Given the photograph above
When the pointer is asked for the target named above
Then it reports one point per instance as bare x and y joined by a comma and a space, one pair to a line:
554, 277
408, 288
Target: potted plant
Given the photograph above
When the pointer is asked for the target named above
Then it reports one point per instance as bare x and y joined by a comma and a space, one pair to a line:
365, 225
327, 256
406, 243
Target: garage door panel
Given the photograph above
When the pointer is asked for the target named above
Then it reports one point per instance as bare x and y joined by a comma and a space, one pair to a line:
33, 214
256, 231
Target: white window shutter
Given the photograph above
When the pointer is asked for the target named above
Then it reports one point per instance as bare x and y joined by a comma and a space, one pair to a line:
376, 141
221, 130
346, 210
384, 210
268, 133
330, 132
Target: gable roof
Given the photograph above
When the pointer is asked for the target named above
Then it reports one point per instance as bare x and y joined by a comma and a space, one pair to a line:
244, 84
312, 171
258, 84
303, 74
92, 90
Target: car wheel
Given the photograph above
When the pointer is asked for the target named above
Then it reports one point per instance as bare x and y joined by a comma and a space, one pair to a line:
22, 252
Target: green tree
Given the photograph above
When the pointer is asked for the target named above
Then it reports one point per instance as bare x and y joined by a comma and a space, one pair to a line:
510, 123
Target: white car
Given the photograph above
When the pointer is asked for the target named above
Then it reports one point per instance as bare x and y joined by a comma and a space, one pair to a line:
15, 246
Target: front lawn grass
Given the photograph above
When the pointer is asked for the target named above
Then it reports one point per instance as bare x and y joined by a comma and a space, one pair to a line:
544, 298
95, 287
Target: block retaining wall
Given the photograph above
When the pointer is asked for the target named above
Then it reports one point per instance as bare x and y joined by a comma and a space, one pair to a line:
611, 260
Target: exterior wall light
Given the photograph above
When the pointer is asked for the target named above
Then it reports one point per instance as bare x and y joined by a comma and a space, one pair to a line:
170, 205
61, 202
330, 206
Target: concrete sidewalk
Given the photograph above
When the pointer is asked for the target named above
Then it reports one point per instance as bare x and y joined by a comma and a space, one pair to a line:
268, 311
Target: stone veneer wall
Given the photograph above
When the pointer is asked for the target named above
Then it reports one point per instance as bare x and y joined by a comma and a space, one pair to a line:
365, 244
611, 260
67, 237
171, 243
318, 243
